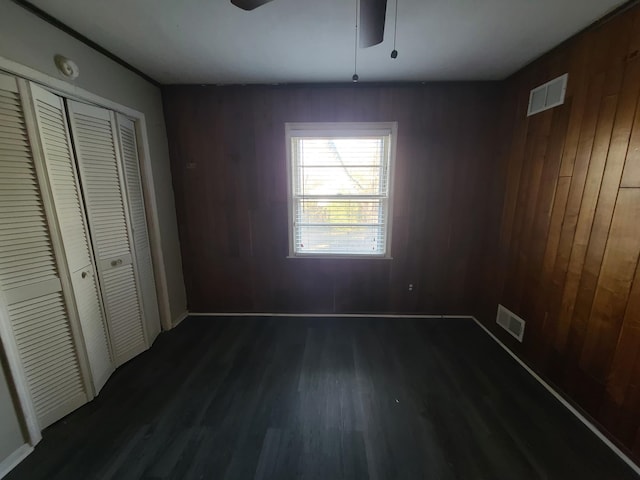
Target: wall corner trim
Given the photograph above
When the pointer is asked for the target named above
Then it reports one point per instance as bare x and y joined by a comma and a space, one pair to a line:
594, 429
14, 459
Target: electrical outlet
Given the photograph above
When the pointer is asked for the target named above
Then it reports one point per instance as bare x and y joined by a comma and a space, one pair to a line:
411, 287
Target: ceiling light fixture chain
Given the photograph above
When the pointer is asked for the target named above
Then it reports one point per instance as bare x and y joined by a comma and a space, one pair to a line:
394, 52
355, 77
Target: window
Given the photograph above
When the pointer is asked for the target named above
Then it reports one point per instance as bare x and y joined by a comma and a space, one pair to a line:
340, 179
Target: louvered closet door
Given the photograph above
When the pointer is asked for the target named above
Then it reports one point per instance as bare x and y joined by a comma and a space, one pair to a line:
93, 132
56, 145
131, 164
29, 278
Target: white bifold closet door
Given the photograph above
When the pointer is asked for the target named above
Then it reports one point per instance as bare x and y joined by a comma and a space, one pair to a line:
56, 146
31, 295
94, 135
129, 153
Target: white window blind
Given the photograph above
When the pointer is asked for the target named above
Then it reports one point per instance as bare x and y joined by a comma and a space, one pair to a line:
339, 189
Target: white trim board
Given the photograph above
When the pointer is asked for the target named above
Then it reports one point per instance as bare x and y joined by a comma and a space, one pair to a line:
323, 315
14, 459
64, 88
595, 430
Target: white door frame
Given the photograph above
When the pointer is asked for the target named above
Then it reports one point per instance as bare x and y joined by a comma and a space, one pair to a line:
72, 92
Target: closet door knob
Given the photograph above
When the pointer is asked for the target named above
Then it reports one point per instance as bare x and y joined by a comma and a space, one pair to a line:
84, 274
115, 263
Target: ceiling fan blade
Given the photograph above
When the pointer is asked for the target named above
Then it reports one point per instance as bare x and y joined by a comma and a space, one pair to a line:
372, 17
249, 4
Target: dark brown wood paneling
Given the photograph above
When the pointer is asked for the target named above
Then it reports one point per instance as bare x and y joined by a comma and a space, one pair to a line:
612, 293
631, 176
229, 170
622, 396
568, 242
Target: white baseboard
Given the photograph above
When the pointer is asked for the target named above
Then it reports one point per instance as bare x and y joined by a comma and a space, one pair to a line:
14, 459
180, 318
596, 431
323, 315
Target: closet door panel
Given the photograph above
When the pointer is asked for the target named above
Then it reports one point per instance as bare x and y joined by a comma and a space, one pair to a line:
93, 131
30, 284
85, 286
137, 214
61, 172
120, 303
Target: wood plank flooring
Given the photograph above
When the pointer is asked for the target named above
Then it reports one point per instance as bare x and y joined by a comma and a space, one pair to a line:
329, 399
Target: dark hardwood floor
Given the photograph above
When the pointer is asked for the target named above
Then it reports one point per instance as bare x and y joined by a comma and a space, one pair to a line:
327, 399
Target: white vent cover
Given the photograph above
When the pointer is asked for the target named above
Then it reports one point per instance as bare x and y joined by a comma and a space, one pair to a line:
510, 322
547, 96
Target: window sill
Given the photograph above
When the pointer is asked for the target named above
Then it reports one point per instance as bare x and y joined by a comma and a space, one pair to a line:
340, 257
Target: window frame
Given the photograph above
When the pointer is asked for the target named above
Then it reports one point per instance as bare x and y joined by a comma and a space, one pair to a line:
340, 130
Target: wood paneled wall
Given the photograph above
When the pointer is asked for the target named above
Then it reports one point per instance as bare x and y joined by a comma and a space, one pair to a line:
229, 171
564, 236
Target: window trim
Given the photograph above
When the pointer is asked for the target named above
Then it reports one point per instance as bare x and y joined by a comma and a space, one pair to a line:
334, 130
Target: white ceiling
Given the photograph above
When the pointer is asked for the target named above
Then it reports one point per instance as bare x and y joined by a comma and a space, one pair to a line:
211, 41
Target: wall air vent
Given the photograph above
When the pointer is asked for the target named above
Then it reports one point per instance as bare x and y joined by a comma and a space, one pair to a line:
510, 322
547, 96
